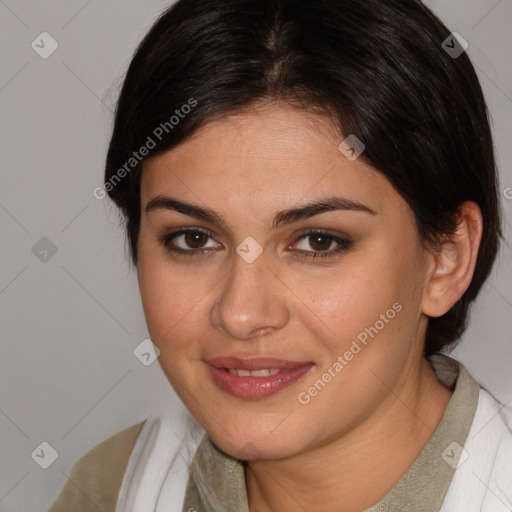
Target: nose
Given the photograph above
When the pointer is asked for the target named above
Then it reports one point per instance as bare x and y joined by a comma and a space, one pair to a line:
251, 301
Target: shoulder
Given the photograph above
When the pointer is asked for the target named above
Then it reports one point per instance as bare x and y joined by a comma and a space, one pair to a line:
492, 443
493, 418
96, 477
498, 426
482, 481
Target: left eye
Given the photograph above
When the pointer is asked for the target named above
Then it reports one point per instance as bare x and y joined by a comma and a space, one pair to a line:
195, 239
320, 241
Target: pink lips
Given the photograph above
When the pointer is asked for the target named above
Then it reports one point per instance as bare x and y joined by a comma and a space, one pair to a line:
251, 387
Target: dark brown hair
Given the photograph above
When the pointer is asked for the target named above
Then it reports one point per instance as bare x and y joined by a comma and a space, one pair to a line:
377, 68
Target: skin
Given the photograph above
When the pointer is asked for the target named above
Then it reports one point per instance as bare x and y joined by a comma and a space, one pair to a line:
374, 417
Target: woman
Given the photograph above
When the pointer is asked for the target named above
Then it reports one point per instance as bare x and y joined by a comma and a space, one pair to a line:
310, 197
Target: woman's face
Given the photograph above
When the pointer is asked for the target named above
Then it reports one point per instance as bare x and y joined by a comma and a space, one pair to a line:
349, 321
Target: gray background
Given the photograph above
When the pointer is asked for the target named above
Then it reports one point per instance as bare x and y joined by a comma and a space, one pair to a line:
69, 325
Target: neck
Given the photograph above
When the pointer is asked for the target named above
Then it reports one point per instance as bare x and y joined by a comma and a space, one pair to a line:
353, 472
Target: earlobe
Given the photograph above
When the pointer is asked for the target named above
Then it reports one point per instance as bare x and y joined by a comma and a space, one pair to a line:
454, 262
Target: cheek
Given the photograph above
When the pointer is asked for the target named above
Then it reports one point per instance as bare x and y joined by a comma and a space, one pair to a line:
369, 310
171, 298
170, 305
349, 298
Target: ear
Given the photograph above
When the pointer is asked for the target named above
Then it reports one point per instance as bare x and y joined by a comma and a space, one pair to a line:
453, 263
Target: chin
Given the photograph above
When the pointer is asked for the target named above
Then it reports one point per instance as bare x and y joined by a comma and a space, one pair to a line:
257, 447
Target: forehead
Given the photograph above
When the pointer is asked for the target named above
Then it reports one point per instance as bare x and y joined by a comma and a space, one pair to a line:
274, 157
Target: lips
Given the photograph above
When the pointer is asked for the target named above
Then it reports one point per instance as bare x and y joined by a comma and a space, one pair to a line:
255, 378
254, 363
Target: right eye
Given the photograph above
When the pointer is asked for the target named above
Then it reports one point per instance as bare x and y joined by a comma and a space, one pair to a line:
193, 240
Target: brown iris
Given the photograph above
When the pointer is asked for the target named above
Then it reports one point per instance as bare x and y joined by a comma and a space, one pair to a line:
195, 237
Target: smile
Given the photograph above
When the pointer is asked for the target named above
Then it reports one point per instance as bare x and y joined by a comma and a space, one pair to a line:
256, 378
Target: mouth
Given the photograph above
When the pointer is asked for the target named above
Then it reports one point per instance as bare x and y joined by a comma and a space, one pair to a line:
254, 363
255, 378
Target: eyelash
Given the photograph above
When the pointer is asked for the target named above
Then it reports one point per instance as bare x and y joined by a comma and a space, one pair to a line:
344, 244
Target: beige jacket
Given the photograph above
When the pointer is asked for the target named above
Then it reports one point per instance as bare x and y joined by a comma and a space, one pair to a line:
95, 478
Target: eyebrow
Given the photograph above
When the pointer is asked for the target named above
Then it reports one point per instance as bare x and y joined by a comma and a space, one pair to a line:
283, 217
